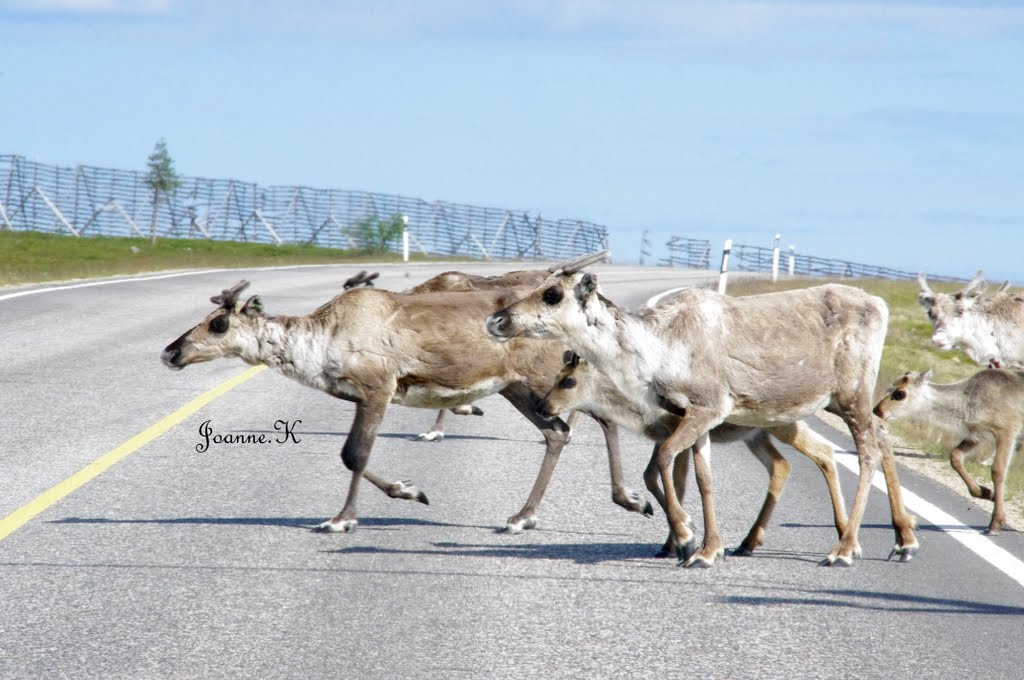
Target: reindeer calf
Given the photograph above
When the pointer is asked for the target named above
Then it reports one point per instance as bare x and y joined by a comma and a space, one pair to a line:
580, 386
988, 404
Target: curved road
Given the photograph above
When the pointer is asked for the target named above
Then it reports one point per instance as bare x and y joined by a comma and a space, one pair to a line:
163, 561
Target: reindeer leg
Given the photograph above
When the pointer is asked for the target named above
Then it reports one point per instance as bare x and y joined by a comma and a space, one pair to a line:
956, 460
712, 547
555, 432
1005, 445
903, 523
693, 427
806, 441
355, 454
778, 472
680, 470
436, 432
628, 499
405, 490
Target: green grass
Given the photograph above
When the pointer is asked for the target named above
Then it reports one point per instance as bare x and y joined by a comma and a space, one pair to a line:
908, 347
31, 257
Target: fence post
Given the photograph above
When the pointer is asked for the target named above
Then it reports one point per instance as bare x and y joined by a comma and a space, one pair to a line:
405, 238
723, 273
792, 260
775, 259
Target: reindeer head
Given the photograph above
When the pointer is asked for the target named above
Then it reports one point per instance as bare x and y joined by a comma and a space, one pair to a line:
947, 310
904, 396
220, 334
558, 304
573, 387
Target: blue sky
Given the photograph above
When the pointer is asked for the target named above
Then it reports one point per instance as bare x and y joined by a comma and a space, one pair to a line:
880, 131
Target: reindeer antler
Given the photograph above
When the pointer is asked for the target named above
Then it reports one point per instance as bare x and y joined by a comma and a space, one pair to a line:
576, 264
363, 278
228, 297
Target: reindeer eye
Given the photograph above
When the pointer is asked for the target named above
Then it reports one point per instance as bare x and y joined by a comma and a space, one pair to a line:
219, 324
552, 296
899, 395
567, 383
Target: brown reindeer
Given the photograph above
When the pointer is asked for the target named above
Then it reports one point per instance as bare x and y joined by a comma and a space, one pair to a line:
454, 281
580, 386
989, 404
989, 328
375, 348
758, 361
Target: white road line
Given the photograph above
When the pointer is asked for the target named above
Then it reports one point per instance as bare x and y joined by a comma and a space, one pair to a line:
106, 282
970, 538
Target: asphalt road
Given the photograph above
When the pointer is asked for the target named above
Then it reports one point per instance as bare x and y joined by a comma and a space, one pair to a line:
175, 563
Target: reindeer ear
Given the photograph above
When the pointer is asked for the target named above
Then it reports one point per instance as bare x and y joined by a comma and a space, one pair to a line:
586, 287
253, 306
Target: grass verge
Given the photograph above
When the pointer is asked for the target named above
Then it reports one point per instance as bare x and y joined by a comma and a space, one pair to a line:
32, 257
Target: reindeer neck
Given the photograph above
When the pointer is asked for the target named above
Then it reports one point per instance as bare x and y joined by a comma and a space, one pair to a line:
616, 342
944, 405
293, 345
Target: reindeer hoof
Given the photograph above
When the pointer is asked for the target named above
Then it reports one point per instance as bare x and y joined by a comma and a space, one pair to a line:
407, 491
344, 526
903, 553
990, 532
518, 526
685, 551
837, 561
698, 561
432, 436
743, 551
476, 411
648, 510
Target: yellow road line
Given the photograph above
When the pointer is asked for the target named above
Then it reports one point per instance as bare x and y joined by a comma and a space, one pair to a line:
19, 517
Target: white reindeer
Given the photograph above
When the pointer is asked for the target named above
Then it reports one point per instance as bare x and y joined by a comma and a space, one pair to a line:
580, 386
760, 361
376, 347
989, 404
988, 328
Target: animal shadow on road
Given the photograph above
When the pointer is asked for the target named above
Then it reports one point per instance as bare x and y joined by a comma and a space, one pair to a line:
875, 601
587, 553
306, 523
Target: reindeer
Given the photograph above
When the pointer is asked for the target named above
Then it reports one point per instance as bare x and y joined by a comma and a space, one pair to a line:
453, 281
989, 404
580, 386
988, 328
375, 347
758, 361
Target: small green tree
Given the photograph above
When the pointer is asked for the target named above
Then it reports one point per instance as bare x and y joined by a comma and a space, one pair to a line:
376, 235
161, 179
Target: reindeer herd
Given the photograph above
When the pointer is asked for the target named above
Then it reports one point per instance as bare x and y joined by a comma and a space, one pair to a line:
696, 368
